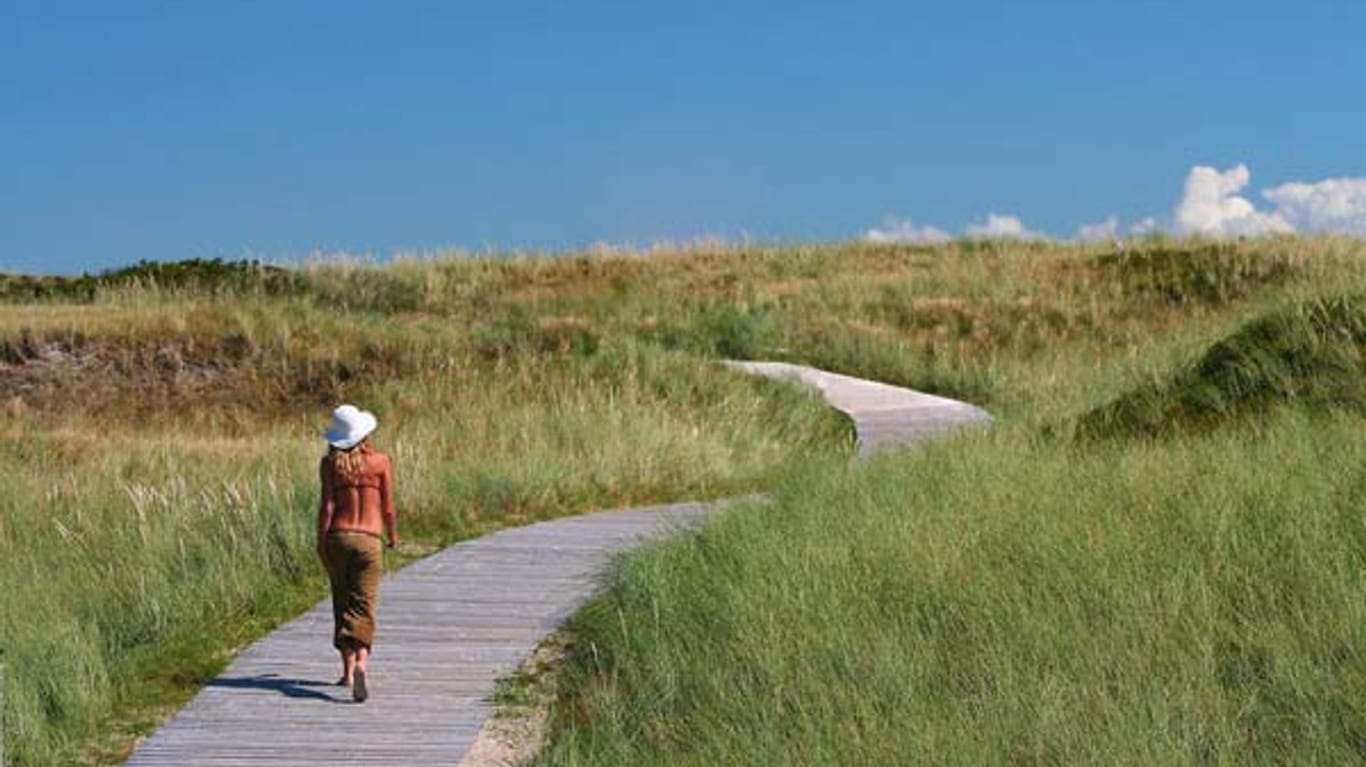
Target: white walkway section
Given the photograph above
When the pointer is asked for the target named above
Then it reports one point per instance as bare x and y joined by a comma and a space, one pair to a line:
454, 623
883, 415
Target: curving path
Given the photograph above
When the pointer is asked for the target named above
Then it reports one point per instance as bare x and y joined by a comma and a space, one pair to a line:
454, 623
884, 415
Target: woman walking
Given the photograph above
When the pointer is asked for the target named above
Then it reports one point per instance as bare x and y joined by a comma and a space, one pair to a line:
356, 509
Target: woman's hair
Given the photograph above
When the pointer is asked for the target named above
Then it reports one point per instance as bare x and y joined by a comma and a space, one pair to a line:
350, 464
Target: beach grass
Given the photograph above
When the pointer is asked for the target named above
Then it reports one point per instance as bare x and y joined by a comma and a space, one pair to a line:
161, 443
1001, 600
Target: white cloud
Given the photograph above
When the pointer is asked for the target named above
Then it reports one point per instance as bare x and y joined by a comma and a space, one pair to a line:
1210, 205
1001, 227
1331, 205
1098, 232
996, 227
1145, 227
905, 231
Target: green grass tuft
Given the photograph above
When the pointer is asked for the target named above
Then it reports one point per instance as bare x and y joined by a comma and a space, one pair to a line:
1311, 354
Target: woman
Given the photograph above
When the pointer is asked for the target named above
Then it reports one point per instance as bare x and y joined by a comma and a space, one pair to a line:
357, 507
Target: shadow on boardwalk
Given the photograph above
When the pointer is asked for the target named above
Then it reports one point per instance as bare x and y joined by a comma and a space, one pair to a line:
290, 688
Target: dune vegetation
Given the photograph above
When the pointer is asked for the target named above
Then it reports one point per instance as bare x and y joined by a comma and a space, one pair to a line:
1154, 557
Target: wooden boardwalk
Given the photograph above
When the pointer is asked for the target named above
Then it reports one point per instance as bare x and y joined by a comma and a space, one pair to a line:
884, 416
454, 623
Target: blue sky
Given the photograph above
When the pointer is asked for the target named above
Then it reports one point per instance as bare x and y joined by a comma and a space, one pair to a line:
168, 130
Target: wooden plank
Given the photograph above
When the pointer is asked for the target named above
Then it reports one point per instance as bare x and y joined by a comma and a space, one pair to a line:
454, 623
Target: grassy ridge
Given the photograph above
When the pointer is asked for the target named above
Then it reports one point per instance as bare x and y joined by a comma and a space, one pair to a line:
161, 423
1309, 354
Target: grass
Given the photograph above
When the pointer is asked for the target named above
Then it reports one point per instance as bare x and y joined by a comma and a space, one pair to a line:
1310, 353
1001, 600
139, 543
160, 447
1027, 598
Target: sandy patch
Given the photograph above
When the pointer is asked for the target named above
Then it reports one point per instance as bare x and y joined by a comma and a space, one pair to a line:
516, 733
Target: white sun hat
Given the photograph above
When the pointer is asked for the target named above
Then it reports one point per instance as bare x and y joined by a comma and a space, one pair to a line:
350, 425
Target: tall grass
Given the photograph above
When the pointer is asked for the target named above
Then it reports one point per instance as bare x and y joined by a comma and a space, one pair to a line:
1002, 600
159, 447
122, 549
135, 544
1024, 598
